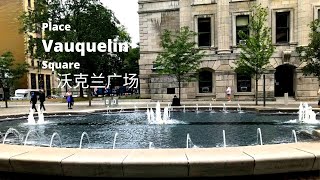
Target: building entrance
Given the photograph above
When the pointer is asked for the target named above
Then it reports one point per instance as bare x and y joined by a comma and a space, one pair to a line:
284, 80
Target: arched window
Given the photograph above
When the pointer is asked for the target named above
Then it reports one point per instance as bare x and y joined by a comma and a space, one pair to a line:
205, 81
243, 83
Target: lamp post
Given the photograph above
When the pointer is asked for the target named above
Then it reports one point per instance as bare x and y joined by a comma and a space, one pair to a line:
40, 80
264, 90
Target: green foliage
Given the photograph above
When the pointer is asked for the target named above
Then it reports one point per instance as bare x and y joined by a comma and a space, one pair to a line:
9, 71
131, 61
179, 58
255, 54
311, 53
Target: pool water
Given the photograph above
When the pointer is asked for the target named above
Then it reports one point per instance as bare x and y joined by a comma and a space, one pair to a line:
204, 128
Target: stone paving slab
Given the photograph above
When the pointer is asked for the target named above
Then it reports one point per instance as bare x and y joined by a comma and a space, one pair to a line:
156, 163
9, 151
279, 158
210, 162
95, 163
42, 160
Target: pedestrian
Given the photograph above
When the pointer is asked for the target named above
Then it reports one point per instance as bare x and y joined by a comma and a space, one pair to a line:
319, 97
175, 101
228, 92
69, 99
33, 101
42, 98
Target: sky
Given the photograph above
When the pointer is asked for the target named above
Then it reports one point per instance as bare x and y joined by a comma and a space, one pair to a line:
126, 12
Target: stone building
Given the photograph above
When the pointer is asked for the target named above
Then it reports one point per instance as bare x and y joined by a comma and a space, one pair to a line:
217, 23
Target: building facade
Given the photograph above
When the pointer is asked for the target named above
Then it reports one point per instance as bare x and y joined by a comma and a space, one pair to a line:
217, 23
10, 38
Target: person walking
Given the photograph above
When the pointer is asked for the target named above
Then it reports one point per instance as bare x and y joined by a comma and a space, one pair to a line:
42, 98
319, 97
69, 99
33, 101
228, 92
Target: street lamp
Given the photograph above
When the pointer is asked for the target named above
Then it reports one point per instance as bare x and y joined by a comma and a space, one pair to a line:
40, 79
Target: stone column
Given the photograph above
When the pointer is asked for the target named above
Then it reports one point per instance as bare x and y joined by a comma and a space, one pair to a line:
224, 26
304, 16
185, 13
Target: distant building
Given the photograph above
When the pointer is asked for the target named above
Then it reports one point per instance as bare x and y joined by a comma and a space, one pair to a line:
217, 23
10, 38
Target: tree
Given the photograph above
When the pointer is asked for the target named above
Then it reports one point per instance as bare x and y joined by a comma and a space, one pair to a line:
131, 61
179, 57
258, 49
311, 53
90, 21
10, 72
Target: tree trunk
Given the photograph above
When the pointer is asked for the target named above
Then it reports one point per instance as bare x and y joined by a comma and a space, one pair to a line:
5, 97
256, 89
81, 92
179, 88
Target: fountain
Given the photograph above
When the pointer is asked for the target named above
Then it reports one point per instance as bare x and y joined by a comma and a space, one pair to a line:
259, 136
211, 109
155, 125
294, 136
158, 113
184, 108
188, 139
31, 117
197, 109
224, 138
189, 142
239, 109
53, 135
114, 140
82, 135
151, 145
27, 136
14, 132
306, 114
224, 109
166, 116
155, 118
40, 116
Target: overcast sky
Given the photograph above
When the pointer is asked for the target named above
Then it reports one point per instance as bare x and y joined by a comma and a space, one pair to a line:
127, 13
